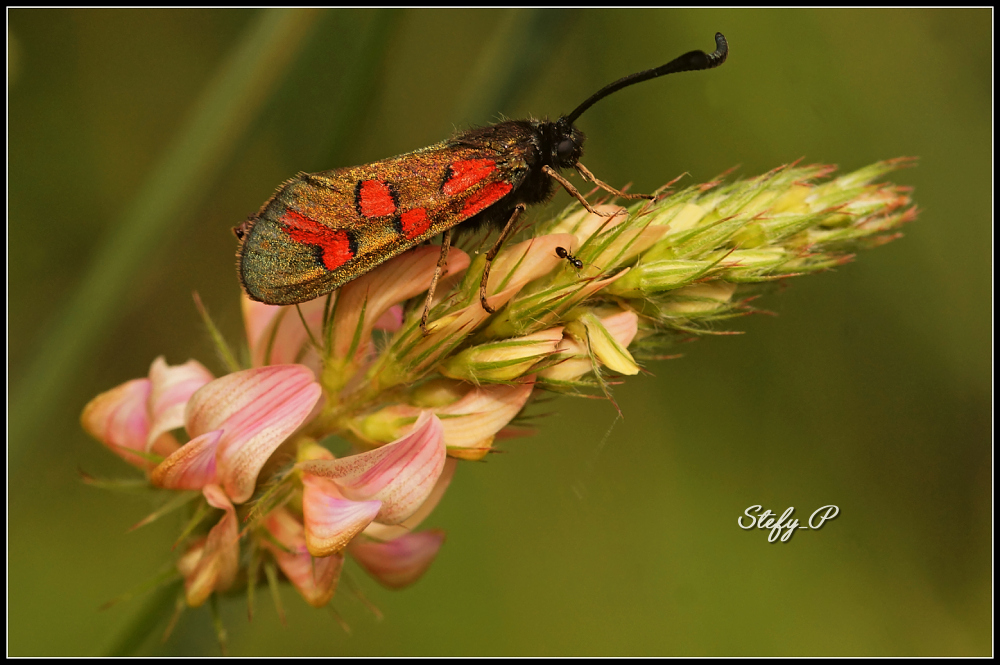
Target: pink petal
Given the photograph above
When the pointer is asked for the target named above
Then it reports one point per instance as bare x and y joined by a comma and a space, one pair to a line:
257, 409
217, 565
315, 578
473, 420
623, 326
331, 521
391, 532
526, 262
400, 562
578, 295
171, 389
191, 467
392, 320
276, 334
392, 282
256, 318
119, 419
165, 445
583, 224
513, 269
629, 244
401, 474
188, 561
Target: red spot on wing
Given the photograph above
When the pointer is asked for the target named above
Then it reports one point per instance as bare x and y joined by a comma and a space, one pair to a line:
487, 196
466, 173
337, 245
375, 199
414, 223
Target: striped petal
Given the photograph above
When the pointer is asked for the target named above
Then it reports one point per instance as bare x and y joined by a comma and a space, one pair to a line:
172, 387
469, 423
474, 420
192, 466
218, 555
401, 474
400, 562
315, 578
256, 409
276, 335
374, 293
119, 419
330, 520
525, 262
391, 532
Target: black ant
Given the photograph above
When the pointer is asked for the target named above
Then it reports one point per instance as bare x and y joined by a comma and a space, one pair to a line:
563, 253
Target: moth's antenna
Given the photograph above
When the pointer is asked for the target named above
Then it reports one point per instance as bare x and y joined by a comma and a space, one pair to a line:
689, 62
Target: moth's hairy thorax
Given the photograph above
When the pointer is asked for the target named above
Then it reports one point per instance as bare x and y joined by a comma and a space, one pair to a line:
522, 148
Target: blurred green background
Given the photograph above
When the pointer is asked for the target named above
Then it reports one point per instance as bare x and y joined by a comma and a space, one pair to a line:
138, 138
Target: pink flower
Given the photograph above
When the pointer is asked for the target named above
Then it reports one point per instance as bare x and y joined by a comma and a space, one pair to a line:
139, 414
331, 520
235, 423
392, 489
276, 335
469, 423
395, 555
315, 577
400, 562
211, 564
398, 483
400, 475
364, 301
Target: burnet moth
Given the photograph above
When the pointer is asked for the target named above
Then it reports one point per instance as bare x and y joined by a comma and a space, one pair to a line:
319, 231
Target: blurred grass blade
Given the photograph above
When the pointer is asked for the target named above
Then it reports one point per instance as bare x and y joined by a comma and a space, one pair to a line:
183, 176
222, 348
359, 88
515, 57
178, 501
140, 626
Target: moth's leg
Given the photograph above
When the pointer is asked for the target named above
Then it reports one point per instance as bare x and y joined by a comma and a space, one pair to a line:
518, 209
587, 175
442, 261
551, 172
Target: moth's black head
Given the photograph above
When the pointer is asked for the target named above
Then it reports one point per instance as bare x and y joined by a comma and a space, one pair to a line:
565, 144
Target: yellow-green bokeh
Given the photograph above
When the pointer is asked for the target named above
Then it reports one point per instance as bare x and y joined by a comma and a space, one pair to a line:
597, 536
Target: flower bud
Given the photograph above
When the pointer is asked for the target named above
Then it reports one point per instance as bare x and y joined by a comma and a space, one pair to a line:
502, 361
